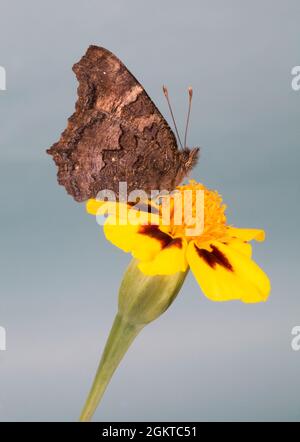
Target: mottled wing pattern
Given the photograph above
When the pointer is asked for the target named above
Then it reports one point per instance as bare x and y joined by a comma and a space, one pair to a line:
116, 134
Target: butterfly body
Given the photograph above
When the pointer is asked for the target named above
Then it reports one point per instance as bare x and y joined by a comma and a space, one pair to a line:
116, 134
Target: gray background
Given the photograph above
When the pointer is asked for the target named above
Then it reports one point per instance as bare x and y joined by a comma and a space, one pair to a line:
59, 277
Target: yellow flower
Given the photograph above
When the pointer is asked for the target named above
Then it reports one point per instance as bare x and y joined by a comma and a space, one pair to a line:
218, 255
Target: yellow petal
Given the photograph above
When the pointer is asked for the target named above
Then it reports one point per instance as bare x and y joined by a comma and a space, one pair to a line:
171, 259
125, 213
144, 242
239, 245
123, 237
92, 206
247, 234
224, 273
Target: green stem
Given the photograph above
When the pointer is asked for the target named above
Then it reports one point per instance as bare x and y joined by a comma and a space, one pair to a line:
120, 338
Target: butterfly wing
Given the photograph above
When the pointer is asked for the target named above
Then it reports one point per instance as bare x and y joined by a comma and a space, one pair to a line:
115, 134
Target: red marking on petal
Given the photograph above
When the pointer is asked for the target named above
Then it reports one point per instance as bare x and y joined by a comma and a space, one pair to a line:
155, 233
177, 242
214, 257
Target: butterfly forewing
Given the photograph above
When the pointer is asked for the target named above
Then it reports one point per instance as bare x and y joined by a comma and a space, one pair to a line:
116, 134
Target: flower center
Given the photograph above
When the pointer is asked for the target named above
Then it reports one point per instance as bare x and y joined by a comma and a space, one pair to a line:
202, 213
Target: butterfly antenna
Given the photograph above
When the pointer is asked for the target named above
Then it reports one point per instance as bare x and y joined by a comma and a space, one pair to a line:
190, 90
166, 94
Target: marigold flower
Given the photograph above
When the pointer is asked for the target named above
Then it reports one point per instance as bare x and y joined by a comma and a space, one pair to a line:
219, 256
164, 249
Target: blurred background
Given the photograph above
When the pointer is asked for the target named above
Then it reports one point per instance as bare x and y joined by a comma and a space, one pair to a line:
60, 278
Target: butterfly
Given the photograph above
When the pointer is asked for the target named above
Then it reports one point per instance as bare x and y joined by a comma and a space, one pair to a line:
117, 134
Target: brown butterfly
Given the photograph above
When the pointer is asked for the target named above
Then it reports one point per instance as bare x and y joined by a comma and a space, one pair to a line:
117, 134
